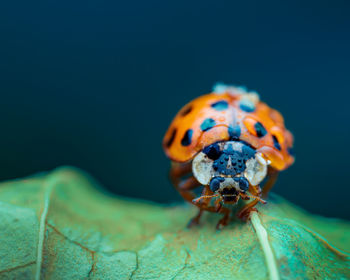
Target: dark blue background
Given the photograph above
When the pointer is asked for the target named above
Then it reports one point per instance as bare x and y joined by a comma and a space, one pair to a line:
95, 84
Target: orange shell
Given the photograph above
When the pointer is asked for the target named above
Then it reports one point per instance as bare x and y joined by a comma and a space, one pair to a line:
192, 116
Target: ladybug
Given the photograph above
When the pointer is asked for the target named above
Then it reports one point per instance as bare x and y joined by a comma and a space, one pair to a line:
228, 142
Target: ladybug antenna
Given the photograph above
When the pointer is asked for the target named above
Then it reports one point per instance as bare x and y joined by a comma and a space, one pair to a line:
255, 197
198, 199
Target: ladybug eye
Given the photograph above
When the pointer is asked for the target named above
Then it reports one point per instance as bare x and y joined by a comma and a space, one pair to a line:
243, 183
213, 151
215, 183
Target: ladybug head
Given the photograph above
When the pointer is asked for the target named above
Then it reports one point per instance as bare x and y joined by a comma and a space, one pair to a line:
229, 168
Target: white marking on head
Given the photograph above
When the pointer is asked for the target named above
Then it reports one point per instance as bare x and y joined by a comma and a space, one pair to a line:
237, 146
256, 169
202, 168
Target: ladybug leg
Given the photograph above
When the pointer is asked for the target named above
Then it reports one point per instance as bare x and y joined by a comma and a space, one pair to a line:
178, 170
218, 205
218, 208
202, 204
195, 220
245, 211
184, 187
225, 219
272, 178
207, 196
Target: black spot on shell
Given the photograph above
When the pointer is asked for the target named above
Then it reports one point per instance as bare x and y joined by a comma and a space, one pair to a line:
171, 139
276, 143
220, 105
207, 124
187, 138
260, 129
186, 111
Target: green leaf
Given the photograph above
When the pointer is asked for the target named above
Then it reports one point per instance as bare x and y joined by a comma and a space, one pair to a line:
61, 225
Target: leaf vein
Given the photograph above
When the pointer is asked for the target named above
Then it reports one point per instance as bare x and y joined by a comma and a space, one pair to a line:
17, 267
136, 268
188, 256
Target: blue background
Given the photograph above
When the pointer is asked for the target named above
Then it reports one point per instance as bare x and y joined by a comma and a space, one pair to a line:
95, 84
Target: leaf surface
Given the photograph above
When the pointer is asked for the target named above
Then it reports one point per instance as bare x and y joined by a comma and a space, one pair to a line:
62, 225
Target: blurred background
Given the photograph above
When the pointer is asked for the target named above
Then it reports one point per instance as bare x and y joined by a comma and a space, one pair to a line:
95, 84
